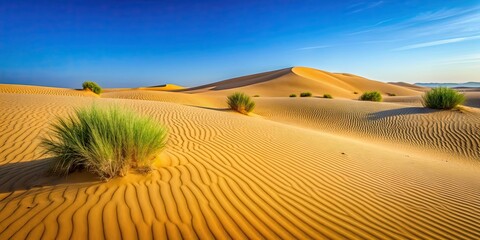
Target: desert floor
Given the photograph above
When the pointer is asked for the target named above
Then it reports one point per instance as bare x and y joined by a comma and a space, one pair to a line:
297, 168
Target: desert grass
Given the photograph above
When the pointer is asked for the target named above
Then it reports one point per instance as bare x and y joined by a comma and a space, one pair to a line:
326, 95
105, 141
92, 86
442, 98
374, 96
240, 102
305, 94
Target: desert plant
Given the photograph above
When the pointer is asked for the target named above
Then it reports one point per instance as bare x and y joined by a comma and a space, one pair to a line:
105, 141
371, 96
92, 86
293, 95
355, 92
305, 94
256, 95
326, 95
391, 94
442, 98
240, 102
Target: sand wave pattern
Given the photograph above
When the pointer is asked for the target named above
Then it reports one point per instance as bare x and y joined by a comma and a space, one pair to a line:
228, 176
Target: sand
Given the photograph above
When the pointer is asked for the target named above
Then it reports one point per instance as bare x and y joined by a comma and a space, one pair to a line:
298, 168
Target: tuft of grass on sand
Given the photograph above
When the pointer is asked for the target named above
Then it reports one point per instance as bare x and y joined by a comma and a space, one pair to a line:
92, 86
293, 95
240, 102
374, 96
305, 94
105, 141
442, 98
326, 95
256, 95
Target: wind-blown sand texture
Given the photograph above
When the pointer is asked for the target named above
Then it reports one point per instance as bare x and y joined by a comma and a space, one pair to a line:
298, 168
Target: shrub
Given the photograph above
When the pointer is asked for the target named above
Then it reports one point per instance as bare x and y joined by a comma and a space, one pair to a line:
326, 95
442, 98
93, 86
240, 102
104, 141
391, 94
256, 95
355, 92
293, 95
371, 96
305, 94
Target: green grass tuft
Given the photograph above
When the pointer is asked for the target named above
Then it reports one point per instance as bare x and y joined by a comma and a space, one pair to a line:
442, 98
240, 102
256, 95
105, 141
371, 96
326, 95
293, 95
305, 94
93, 86
391, 94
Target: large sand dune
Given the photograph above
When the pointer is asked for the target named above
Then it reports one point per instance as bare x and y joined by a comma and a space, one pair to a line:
304, 168
282, 83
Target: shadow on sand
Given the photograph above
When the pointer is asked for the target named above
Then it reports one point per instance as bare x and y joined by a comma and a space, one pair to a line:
34, 174
400, 111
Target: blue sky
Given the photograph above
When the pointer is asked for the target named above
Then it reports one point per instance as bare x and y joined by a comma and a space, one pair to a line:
141, 43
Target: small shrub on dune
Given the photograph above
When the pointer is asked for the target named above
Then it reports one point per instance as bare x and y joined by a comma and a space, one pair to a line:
371, 96
256, 95
293, 95
391, 94
92, 86
326, 95
104, 141
442, 98
305, 94
240, 102
355, 92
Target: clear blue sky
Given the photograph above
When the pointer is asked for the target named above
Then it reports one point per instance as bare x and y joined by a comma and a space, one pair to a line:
141, 43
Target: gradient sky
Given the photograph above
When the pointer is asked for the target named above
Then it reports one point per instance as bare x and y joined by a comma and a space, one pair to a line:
142, 43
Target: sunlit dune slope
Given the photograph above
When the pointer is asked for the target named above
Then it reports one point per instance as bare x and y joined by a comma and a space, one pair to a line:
26, 89
226, 175
165, 87
453, 133
287, 81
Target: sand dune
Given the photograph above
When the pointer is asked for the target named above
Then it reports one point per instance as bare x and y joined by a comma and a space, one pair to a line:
25, 89
304, 168
282, 83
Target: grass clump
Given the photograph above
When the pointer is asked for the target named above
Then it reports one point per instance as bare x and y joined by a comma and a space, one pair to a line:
104, 141
442, 98
374, 96
391, 94
256, 95
355, 92
293, 95
326, 95
305, 94
92, 86
240, 102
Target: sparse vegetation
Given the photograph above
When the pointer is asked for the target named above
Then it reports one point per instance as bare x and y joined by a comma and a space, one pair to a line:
305, 94
326, 95
104, 141
92, 86
240, 102
256, 95
442, 98
293, 95
391, 94
355, 92
374, 96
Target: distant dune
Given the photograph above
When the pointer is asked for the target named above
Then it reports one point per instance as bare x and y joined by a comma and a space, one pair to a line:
298, 168
284, 82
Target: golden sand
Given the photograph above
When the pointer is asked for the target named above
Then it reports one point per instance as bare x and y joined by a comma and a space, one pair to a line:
301, 168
